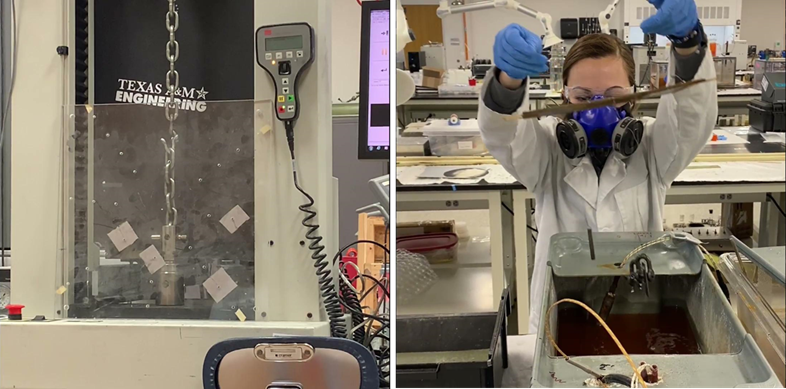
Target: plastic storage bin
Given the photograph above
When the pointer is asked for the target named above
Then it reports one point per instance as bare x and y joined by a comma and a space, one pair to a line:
437, 248
746, 294
460, 140
761, 66
659, 72
453, 351
766, 116
411, 146
725, 71
459, 90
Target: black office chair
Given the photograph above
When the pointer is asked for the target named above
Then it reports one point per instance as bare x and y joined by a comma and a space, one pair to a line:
289, 363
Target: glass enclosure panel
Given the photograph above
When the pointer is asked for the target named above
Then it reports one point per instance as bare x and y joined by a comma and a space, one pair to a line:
121, 267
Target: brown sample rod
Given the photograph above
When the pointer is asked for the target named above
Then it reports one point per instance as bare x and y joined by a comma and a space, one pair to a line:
608, 301
564, 109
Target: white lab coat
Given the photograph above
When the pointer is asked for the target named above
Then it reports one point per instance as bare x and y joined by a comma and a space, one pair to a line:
630, 194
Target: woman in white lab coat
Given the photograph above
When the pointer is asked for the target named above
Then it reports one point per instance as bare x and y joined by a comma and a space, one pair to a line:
601, 169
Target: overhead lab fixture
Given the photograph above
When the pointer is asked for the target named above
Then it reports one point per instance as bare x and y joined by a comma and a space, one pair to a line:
550, 39
605, 16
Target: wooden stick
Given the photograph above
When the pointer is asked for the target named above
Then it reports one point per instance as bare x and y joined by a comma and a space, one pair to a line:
564, 109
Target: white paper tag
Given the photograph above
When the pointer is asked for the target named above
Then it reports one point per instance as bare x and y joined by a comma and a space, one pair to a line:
193, 292
234, 219
152, 259
764, 83
219, 285
122, 236
466, 145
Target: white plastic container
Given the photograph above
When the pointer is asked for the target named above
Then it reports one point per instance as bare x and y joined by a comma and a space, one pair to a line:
411, 146
763, 325
458, 90
459, 140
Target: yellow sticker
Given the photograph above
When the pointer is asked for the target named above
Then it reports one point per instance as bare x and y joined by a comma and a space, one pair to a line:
240, 315
61, 290
265, 129
89, 108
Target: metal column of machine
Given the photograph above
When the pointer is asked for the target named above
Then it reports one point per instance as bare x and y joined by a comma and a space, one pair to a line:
156, 353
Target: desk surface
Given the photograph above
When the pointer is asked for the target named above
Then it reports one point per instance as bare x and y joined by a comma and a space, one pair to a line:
698, 174
729, 172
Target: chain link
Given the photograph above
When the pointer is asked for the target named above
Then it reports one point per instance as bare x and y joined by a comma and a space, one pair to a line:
172, 85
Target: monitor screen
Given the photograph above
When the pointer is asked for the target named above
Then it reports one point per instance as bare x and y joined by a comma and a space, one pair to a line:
374, 110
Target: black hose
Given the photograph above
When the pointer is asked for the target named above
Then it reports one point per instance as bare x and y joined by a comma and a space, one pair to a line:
617, 379
327, 290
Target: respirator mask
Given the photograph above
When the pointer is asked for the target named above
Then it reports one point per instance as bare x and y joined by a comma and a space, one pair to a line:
600, 130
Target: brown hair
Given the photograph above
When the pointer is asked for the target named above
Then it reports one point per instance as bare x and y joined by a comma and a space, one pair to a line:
599, 46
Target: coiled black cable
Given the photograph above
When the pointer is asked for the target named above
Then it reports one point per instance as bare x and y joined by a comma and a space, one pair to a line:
351, 300
327, 290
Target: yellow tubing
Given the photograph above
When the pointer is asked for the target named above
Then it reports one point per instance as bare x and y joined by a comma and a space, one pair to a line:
603, 323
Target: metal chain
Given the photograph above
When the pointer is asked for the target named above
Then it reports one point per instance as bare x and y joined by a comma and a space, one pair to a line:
172, 85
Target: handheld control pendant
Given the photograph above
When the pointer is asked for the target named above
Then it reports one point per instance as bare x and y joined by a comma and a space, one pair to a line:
285, 51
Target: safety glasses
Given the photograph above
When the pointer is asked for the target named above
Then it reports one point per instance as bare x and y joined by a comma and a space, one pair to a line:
578, 94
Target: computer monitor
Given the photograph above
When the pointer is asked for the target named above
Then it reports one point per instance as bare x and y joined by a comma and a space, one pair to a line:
374, 108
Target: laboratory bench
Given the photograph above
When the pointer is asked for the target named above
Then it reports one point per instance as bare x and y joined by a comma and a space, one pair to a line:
758, 171
422, 106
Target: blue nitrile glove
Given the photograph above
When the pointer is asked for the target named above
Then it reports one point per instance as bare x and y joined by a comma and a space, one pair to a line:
517, 52
675, 18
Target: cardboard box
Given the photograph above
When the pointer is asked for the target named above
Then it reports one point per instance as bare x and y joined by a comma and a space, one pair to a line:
432, 77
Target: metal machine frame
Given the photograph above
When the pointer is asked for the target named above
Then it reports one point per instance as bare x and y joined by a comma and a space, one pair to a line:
80, 353
636, 11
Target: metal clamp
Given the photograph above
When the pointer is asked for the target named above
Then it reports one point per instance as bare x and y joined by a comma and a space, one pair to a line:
641, 273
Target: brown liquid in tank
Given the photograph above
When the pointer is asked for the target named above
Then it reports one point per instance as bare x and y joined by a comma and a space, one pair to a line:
667, 332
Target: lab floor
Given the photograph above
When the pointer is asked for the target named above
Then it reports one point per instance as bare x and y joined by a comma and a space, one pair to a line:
521, 353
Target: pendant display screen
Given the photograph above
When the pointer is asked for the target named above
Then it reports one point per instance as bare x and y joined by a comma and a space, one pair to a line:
284, 43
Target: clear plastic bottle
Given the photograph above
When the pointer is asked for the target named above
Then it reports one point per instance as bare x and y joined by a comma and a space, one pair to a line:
557, 61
